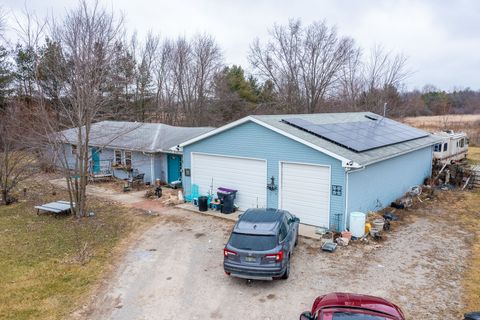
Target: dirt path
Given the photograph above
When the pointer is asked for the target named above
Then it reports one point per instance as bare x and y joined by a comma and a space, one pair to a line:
175, 270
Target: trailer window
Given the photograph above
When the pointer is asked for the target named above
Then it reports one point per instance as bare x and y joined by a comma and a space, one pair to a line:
445, 147
437, 147
462, 143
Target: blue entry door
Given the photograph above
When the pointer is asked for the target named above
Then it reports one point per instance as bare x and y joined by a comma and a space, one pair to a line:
95, 161
174, 162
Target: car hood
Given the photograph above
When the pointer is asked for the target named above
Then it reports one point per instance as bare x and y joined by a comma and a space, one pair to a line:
360, 301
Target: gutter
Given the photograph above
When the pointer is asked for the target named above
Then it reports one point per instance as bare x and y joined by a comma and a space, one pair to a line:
398, 154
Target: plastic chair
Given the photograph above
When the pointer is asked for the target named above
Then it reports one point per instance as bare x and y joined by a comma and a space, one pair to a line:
193, 196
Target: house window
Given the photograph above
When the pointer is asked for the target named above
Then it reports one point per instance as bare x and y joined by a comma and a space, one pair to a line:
118, 157
128, 158
445, 147
437, 147
74, 149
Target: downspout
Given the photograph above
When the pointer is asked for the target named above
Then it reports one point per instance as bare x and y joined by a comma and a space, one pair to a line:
347, 172
152, 166
152, 169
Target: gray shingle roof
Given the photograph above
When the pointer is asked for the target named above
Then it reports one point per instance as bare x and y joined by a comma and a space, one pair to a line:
138, 136
362, 158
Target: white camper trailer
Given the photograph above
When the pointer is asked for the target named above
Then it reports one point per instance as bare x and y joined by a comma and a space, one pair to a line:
454, 146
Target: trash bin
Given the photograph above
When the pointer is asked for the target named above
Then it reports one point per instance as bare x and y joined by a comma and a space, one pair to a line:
202, 203
226, 197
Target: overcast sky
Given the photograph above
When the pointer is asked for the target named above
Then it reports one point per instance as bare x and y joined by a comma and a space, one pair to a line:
440, 38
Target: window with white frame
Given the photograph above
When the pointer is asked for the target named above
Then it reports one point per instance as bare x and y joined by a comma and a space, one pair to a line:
118, 157
437, 147
74, 149
128, 158
445, 147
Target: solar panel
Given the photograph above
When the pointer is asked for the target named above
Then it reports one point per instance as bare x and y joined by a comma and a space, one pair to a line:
360, 136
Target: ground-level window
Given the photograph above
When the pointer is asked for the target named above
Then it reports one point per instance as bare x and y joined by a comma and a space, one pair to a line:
445, 146
74, 149
128, 158
118, 157
437, 147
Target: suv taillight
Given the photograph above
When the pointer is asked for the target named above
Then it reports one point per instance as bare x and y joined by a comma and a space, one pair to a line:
277, 256
227, 252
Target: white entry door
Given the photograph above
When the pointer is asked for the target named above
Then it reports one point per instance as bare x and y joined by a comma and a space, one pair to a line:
305, 192
248, 176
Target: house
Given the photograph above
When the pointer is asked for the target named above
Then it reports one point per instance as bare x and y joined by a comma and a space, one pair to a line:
120, 149
320, 167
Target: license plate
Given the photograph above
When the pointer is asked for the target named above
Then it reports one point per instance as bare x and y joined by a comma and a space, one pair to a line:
250, 259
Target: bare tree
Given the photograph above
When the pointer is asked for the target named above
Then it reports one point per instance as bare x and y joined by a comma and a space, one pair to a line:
87, 35
349, 86
3, 23
16, 162
302, 62
30, 31
194, 65
166, 105
383, 74
144, 75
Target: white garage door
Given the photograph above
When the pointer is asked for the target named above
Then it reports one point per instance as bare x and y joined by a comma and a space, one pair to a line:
248, 176
305, 192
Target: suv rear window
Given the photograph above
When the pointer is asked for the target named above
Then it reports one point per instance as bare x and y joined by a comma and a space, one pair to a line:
253, 241
352, 316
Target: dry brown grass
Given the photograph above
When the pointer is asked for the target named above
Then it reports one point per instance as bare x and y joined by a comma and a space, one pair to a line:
469, 123
468, 214
463, 210
474, 154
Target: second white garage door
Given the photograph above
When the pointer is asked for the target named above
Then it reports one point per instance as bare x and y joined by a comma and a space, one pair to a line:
248, 176
305, 192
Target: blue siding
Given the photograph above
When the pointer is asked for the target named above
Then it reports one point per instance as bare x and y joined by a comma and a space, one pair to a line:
379, 184
254, 141
140, 162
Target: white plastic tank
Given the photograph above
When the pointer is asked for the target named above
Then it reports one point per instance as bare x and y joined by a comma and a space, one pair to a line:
357, 224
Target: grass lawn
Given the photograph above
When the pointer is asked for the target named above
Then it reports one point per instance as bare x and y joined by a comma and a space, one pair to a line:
469, 214
48, 266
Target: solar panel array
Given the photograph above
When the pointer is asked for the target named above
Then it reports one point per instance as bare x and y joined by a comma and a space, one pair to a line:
360, 136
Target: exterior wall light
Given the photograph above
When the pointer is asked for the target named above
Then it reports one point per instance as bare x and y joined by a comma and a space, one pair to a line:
271, 186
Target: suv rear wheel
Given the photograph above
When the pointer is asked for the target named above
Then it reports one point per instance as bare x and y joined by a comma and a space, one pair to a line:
286, 274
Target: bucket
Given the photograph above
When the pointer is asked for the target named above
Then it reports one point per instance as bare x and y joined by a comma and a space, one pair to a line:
374, 231
368, 226
357, 224
378, 224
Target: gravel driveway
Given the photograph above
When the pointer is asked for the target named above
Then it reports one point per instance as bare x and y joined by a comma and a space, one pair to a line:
174, 271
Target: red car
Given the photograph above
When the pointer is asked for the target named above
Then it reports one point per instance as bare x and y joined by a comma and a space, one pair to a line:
349, 306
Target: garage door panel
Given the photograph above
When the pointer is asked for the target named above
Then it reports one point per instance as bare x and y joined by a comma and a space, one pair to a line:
305, 191
310, 185
248, 176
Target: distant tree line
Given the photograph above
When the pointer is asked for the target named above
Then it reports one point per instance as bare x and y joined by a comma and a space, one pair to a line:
185, 81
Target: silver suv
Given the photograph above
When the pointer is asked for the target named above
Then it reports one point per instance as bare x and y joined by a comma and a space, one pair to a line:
261, 244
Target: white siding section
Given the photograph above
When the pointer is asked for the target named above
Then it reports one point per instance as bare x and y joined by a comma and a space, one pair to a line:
248, 176
305, 192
